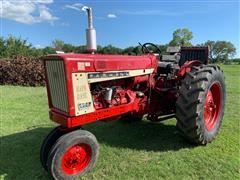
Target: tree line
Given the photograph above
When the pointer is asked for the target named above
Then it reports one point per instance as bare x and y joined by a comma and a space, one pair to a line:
11, 47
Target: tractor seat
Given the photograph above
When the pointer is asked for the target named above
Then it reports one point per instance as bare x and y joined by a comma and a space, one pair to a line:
173, 54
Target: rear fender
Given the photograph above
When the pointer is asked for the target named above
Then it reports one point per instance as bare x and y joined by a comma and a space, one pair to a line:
187, 67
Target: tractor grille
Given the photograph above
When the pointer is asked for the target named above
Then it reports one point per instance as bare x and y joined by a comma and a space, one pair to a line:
57, 84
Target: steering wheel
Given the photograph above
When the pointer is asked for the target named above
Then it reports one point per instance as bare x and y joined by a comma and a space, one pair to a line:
145, 48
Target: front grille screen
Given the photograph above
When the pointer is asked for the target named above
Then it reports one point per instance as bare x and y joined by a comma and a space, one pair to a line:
57, 84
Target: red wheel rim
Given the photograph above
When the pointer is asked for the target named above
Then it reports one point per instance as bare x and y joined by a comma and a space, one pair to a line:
212, 106
76, 158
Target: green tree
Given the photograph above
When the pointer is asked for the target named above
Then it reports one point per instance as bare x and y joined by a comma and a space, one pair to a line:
2, 47
48, 50
210, 45
109, 49
181, 37
132, 50
36, 52
70, 48
82, 49
220, 50
58, 45
12, 47
137, 50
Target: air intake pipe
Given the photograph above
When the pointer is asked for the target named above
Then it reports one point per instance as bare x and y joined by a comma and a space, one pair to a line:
90, 31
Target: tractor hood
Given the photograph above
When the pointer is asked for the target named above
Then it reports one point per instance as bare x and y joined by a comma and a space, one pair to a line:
101, 63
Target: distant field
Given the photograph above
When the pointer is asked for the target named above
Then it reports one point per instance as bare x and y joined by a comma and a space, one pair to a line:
140, 150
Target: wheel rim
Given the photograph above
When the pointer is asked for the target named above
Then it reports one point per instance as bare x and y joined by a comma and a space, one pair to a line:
212, 106
76, 158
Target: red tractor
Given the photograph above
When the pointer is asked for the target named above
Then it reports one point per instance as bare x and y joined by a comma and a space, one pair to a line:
84, 88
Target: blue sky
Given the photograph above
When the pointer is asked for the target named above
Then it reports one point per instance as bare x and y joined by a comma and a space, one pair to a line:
121, 23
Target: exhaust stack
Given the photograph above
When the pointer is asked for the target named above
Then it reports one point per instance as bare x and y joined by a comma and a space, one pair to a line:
90, 31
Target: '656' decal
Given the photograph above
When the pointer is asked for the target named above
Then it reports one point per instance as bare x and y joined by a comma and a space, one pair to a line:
83, 106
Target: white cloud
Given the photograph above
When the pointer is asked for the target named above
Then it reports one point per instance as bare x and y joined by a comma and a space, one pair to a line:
111, 16
38, 46
82, 7
27, 11
76, 6
65, 24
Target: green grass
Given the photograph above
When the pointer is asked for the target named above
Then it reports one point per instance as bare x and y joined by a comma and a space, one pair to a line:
140, 150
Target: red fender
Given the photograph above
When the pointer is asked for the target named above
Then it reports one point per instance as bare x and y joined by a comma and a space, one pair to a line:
187, 67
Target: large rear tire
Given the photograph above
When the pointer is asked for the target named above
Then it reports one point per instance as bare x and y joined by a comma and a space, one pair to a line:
73, 155
200, 105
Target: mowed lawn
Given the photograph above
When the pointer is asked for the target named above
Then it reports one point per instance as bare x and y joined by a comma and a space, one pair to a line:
142, 150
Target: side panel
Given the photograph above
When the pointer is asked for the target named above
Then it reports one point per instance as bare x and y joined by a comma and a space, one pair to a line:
113, 75
82, 97
101, 114
83, 103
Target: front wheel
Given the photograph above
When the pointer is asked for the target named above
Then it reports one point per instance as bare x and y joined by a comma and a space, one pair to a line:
47, 144
73, 155
200, 106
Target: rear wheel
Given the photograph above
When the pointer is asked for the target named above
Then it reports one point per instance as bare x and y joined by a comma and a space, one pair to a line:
73, 155
200, 106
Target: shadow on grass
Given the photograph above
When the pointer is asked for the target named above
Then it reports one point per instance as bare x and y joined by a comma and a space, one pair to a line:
142, 135
19, 153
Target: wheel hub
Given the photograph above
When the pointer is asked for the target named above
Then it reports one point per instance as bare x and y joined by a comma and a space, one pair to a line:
76, 158
212, 106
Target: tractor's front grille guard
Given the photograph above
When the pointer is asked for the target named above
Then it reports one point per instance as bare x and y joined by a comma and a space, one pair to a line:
57, 84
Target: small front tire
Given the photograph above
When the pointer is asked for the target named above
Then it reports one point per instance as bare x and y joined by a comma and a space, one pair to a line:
73, 155
47, 144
